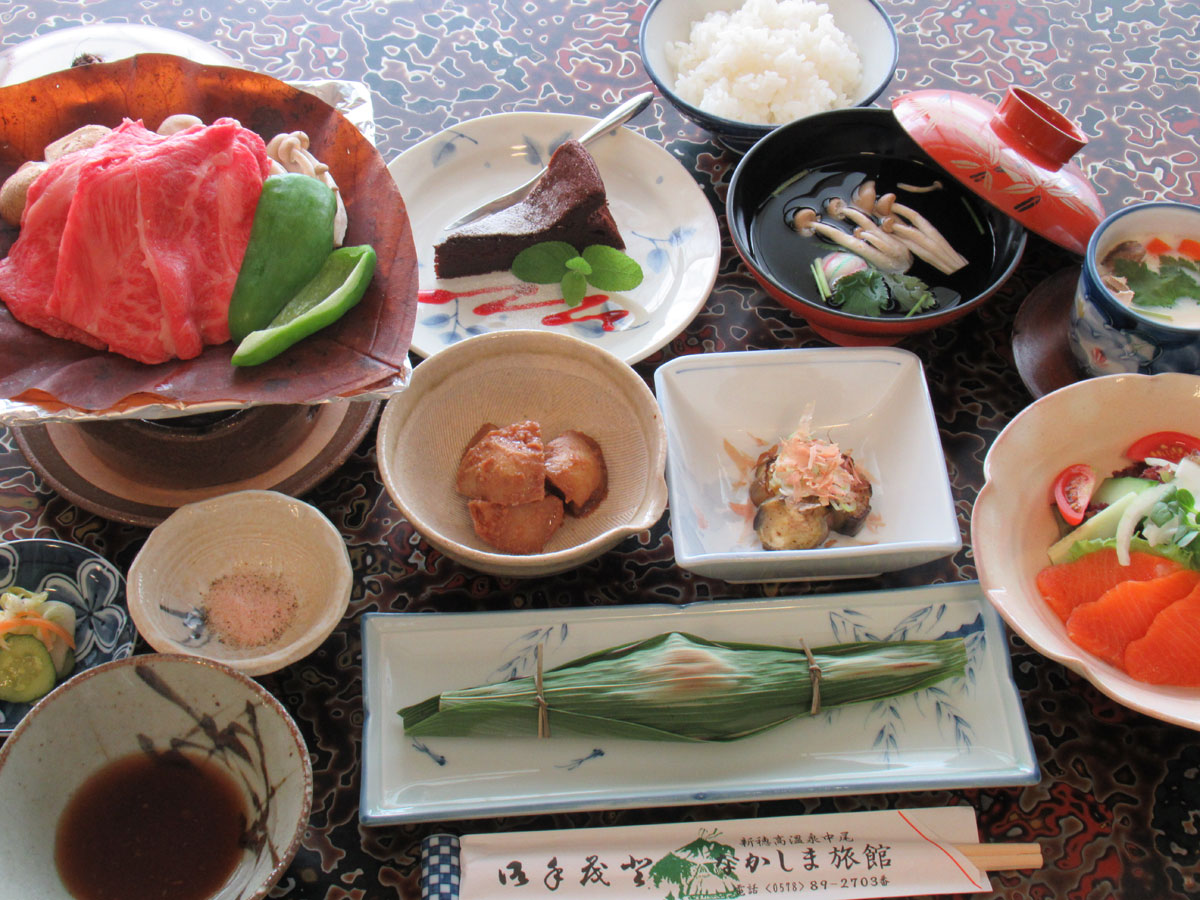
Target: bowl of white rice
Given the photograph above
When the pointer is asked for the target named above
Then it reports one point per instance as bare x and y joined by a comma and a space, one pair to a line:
741, 68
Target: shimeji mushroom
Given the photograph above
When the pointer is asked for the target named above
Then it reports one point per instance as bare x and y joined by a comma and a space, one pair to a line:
908, 226
289, 153
872, 243
922, 238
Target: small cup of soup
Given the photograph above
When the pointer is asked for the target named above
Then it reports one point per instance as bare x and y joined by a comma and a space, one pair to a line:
1137, 306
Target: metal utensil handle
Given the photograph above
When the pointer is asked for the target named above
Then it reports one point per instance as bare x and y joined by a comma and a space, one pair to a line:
618, 116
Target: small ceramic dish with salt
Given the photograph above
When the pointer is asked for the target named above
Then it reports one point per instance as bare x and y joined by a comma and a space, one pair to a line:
254, 579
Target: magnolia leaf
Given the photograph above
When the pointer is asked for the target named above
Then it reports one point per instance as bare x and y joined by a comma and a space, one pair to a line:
544, 263
612, 270
574, 288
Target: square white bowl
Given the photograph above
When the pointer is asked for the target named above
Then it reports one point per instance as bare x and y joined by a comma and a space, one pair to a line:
873, 402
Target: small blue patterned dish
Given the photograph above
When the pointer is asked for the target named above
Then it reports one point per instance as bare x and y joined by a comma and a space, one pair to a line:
1108, 337
87, 581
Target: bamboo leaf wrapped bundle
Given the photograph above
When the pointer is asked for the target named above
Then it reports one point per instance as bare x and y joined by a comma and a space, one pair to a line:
679, 687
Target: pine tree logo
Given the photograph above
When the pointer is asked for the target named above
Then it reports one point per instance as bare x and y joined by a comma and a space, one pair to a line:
700, 870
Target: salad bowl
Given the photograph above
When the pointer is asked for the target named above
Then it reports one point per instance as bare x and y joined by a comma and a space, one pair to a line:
1013, 524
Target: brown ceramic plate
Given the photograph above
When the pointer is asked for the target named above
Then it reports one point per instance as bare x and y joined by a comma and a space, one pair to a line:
1040, 347
365, 351
100, 471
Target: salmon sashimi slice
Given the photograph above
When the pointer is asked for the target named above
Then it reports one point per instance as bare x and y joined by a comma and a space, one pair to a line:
1066, 585
1105, 627
1170, 651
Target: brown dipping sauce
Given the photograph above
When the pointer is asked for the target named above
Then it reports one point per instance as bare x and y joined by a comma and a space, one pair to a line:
151, 827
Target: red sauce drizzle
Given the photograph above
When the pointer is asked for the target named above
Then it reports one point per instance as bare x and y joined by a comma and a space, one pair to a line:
511, 303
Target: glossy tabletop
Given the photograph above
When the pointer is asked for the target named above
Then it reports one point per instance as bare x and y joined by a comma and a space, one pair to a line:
1115, 809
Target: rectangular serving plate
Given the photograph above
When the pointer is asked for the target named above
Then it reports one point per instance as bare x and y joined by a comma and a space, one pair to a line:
964, 732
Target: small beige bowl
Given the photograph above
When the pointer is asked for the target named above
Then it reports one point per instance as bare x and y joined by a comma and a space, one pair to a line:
562, 383
254, 579
154, 704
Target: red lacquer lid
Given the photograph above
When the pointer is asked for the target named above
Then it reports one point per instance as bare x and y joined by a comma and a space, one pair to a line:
1015, 155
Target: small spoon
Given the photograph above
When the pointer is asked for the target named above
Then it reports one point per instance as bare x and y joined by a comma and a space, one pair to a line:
618, 116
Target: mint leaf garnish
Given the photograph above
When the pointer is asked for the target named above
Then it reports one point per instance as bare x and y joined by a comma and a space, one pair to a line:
580, 265
612, 270
606, 268
544, 263
574, 288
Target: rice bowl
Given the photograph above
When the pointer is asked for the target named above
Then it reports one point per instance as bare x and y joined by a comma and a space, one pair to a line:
769, 62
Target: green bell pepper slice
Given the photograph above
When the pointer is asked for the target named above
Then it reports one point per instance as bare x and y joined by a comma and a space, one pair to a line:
335, 289
291, 236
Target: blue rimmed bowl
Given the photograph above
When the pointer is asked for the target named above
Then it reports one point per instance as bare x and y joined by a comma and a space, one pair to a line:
1107, 337
82, 578
669, 21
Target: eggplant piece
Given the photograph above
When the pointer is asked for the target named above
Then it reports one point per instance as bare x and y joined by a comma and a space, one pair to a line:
783, 526
760, 485
850, 521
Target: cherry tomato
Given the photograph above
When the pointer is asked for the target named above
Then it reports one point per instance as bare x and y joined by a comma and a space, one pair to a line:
1073, 491
1169, 445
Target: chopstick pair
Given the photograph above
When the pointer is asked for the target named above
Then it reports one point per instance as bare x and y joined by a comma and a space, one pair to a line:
997, 857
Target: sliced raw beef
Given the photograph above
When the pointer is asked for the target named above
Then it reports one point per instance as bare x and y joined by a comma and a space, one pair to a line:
144, 256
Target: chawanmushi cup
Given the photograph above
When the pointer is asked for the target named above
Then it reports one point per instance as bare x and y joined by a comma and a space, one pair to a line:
1108, 337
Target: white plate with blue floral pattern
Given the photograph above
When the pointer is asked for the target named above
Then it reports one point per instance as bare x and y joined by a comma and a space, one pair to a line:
668, 225
967, 731
87, 581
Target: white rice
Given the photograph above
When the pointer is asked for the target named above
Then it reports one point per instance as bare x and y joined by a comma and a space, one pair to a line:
770, 62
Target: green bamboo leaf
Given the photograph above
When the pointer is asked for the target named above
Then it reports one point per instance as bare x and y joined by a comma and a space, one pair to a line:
544, 263
679, 687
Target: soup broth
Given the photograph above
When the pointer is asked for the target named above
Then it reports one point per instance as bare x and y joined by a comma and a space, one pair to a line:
789, 256
1156, 276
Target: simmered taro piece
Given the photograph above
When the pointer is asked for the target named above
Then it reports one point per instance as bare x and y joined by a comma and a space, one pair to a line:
504, 465
517, 528
875, 236
575, 469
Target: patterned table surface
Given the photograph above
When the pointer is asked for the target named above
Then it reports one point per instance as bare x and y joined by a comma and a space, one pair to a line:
1115, 810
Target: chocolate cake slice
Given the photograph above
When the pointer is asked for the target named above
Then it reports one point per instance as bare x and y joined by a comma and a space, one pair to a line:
567, 204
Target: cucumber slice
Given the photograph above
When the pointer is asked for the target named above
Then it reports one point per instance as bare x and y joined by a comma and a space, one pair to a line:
1102, 525
1113, 489
26, 670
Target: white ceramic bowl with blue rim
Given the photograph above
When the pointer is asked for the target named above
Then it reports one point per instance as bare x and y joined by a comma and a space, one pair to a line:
669, 21
1107, 337
723, 409
154, 704
85, 580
